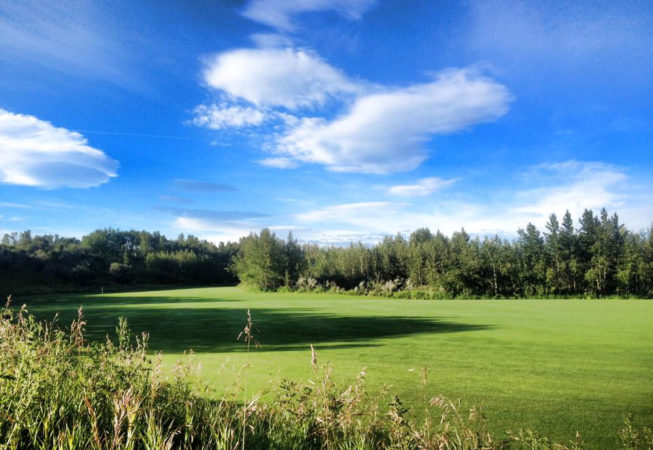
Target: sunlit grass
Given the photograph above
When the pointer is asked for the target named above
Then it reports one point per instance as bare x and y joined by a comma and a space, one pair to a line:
557, 366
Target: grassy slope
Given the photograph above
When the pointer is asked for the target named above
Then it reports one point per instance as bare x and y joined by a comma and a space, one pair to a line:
555, 365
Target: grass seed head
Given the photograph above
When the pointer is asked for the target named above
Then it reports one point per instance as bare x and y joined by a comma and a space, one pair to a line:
313, 358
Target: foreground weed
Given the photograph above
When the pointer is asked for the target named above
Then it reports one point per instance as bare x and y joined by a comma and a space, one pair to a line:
247, 335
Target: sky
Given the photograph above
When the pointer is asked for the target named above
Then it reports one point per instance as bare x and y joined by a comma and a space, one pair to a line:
336, 120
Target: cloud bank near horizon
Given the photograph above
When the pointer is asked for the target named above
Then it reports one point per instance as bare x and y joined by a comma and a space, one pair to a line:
540, 191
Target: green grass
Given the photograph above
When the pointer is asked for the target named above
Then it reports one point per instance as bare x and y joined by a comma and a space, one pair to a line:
553, 365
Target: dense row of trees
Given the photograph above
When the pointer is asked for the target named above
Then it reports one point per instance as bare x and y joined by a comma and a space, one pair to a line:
113, 256
599, 257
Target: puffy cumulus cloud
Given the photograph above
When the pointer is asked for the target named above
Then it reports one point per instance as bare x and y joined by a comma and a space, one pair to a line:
379, 129
279, 13
384, 132
422, 188
33, 152
275, 77
217, 117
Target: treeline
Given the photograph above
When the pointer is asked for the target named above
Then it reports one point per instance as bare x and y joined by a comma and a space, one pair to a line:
112, 257
598, 258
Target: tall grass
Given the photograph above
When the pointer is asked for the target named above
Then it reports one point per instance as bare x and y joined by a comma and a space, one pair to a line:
59, 391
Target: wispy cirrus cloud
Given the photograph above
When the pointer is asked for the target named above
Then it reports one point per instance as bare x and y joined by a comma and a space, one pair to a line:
74, 37
280, 13
14, 205
34, 152
217, 216
351, 213
422, 188
278, 163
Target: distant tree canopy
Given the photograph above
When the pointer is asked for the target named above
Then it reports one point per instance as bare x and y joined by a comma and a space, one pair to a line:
267, 262
600, 257
113, 256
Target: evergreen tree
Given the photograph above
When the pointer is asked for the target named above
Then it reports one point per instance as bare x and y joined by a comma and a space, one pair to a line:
554, 250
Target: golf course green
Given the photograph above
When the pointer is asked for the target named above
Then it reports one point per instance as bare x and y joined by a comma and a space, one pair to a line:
557, 366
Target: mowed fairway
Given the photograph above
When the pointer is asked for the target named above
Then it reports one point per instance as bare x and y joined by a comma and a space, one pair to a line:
554, 365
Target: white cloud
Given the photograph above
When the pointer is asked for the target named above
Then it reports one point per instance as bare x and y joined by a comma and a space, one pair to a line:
217, 117
215, 233
269, 77
350, 213
211, 216
216, 226
572, 186
33, 152
385, 132
546, 189
278, 163
542, 190
279, 13
422, 188
382, 130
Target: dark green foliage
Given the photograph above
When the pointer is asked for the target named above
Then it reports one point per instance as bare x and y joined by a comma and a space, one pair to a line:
267, 262
111, 257
600, 258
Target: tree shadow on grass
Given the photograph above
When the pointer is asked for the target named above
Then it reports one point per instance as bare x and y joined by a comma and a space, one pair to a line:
206, 328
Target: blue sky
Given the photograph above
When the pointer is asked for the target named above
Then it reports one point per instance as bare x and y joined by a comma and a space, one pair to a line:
338, 120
